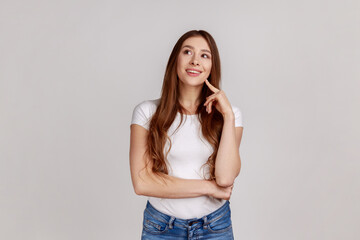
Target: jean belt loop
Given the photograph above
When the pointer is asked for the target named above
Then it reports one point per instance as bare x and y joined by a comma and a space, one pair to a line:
205, 222
171, 221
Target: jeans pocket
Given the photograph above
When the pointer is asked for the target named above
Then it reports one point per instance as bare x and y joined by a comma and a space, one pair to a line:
153, 225
220, 224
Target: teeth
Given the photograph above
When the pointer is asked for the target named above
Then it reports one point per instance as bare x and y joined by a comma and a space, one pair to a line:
192, 71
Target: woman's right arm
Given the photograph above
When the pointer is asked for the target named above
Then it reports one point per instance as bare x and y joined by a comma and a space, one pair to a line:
146, 183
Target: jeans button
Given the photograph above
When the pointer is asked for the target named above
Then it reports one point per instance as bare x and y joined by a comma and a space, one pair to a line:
191, 223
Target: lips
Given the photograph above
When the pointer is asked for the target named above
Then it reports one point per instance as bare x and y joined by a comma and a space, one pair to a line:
193, 74
192, 70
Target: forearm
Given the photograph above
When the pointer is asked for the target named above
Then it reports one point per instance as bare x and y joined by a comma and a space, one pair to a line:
165, 186
227, 164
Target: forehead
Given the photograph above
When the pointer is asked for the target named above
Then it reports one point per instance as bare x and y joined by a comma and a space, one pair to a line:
197, 42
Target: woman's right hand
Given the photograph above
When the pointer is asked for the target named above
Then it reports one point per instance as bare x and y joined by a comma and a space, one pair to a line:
220, 192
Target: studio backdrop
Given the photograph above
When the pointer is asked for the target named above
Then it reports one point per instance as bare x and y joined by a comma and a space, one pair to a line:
71, 73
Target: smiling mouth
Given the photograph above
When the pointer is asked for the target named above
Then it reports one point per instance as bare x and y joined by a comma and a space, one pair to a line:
193, 71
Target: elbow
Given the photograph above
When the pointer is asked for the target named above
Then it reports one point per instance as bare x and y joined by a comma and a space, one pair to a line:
141, 184
138, 189
227, 177
224, 182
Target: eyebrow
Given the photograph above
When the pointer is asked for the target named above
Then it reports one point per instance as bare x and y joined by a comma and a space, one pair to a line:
204, 50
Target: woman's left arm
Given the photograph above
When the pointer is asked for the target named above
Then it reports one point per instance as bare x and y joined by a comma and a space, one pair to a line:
228, 162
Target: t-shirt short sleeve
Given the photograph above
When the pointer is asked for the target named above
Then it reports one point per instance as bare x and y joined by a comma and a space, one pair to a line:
142, 113
238, 117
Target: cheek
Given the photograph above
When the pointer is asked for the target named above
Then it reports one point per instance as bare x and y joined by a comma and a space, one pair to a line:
179, 64
178, 68
208, 67
180, 59
208, 70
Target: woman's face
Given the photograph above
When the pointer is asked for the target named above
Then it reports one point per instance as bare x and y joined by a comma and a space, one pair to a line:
195, 56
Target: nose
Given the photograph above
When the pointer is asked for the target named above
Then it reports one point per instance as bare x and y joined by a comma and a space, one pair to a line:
194, 60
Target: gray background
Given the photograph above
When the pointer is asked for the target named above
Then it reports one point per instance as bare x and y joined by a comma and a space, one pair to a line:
71, 73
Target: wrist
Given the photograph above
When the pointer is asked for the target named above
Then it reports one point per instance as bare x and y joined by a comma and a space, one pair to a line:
229, 115
209, 188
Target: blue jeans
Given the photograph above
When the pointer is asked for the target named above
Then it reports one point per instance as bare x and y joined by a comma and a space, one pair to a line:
216, 225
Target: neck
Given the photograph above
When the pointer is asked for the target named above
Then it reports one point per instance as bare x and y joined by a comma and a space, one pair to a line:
189, 96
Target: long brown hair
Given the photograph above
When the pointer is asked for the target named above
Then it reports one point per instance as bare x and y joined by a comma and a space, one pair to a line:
169, 106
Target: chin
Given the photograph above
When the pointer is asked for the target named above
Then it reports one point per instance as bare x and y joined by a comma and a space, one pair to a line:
194, 83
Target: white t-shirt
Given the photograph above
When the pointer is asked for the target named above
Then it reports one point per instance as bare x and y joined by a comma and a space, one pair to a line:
189, 151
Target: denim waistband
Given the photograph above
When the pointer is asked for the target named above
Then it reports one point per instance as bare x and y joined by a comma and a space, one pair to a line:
205, 220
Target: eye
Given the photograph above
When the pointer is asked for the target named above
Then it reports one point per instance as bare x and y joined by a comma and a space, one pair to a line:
186, 51
206, 56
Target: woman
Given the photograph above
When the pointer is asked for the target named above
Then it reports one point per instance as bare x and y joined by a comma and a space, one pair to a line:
187, 167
